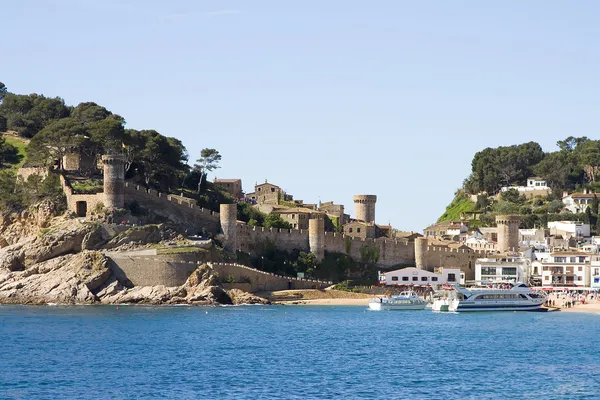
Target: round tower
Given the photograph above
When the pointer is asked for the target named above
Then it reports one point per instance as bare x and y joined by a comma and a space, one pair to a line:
114, 180
421, 253
364, 207
228, 217
316, 237
508, 232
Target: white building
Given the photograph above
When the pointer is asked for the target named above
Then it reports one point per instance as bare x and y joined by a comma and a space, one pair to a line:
502, 268
569, 229
534, 184
595, 272
421, 277
564, 269
530, 237
578, 202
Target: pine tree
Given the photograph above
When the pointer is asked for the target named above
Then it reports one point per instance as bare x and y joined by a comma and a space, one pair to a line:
595, 205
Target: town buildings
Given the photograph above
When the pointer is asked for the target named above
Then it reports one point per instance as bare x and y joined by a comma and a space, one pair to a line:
535, 187
578, 202
231, 186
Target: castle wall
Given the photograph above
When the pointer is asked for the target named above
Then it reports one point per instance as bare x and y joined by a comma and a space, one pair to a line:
92, 201
183, 213
174, 269
391, 252
464, 259
251, 239
24, 173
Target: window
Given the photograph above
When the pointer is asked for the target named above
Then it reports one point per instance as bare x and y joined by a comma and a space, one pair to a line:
434, 278
405, 278
394, 278
581, 259
350, 230
573, 259
357, 230
546, 278
488, 270
272, 190
580, 278
424, 278
415, 278
560, 259
293, 216
596, 271
509, 271
579, 269
451, 277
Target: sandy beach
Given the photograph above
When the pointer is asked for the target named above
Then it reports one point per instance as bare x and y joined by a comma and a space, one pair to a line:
319, 297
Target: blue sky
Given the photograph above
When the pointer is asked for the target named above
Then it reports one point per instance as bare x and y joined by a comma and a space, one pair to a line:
324, 98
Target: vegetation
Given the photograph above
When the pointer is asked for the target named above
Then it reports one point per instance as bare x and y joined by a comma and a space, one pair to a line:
208, 161
459, 205
275, 221
89, 186
576, 164
9, 154
15, 197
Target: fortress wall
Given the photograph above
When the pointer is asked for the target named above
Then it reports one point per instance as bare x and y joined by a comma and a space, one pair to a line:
173, 270
251, 239
183, 213
265, 281
454, 258
92, 200
168, 270
391, 251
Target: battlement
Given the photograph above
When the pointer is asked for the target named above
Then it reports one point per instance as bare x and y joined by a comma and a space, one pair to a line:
254, 270
437, 249
170, 199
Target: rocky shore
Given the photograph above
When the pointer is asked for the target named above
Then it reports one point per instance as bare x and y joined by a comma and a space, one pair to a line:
46, 259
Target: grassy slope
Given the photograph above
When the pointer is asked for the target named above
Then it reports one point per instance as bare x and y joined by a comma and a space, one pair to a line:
21, 145
459, 205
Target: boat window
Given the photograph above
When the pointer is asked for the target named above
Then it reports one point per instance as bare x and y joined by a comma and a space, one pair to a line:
394, 278
405, 278
451, 277
424, 278
434, 278
415, 278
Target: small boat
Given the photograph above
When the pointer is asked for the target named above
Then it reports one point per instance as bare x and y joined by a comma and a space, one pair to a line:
407, 300
513, 297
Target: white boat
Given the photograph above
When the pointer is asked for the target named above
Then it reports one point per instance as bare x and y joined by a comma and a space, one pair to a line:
408, 300
516, 297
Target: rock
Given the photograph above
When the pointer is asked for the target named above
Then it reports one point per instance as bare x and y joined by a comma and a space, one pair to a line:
65, 279
238, 296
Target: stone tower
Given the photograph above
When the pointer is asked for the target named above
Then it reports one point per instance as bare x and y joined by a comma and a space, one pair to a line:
228, 217
421, 253
316, 236
508, 232
364, 207
114, 181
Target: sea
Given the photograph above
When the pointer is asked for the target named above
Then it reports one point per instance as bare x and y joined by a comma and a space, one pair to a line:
294, 352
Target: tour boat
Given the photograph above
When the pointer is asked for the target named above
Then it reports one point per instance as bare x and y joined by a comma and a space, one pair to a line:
408, 300
515, 297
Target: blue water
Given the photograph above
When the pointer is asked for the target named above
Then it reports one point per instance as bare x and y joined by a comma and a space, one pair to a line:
298, 352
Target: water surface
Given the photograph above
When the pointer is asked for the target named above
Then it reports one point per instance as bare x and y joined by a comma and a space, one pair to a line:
294, 352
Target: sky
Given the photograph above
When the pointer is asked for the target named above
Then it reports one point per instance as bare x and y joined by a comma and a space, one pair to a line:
326, 99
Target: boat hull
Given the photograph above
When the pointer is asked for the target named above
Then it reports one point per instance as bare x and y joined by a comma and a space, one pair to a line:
459, 306
389, 307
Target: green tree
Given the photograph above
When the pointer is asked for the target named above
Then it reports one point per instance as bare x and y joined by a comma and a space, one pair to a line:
594, 205
9, 154
208, 161
3, 123
3, 90
56, 140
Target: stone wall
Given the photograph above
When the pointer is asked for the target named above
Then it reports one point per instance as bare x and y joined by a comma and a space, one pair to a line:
265, 281
25, 172
92, 201
174, 269
168, 270
464, 259
181, 212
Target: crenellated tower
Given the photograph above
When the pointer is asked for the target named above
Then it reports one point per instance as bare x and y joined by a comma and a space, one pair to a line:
364, 207
508, 232
316, 236
114, 181
228, 217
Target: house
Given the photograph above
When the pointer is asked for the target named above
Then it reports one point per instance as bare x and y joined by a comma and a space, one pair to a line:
421, 277
569, 229
564, 269
231, 186
528, 237
360, 229
595, 272
297, 217
502, 268
268, 193
578, 202
535, 187
448, 229
336, 210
